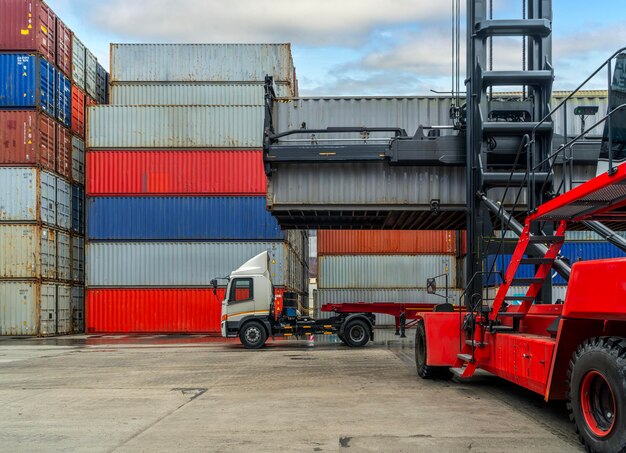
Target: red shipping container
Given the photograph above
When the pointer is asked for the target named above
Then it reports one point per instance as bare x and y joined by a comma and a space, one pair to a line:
175, 173
78, 112
27, 138
64, 48
151, 310
385, 242
64, 152
28, 25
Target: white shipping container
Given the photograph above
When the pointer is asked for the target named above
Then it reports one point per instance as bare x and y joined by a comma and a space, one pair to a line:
178, 264
64, 204
383, 271
27, 251
91, 71
64, 253
78, 309
27, 308
27, 195
78, 160
175, 127
225, 94
78, 62
201, 62
63, 309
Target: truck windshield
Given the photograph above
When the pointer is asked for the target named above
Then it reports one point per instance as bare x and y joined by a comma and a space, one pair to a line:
241, 289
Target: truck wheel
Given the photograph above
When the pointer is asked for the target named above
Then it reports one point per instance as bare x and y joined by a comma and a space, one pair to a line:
342, 338
253, 335
356, 333
421, 355
597, 393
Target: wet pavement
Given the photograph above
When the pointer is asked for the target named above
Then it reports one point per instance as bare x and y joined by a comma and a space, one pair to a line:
204, 393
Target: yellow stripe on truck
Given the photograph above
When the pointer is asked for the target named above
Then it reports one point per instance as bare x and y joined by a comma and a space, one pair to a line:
258, 312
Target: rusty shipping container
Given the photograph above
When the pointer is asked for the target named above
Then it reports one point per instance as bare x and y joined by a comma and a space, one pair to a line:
386, 242
64, 152
175, 172
28, 25
27, 138
34, 308
64, 48
27, 252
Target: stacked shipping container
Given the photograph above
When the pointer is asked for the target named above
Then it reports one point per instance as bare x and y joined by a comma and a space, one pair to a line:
176, 186
42, 128
384, 266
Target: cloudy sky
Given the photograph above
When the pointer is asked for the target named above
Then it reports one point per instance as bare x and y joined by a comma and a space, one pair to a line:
351, 47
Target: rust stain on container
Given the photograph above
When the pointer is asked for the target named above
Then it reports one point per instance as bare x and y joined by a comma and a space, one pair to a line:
27, 138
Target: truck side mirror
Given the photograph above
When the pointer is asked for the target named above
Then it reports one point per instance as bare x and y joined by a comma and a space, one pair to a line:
431, 286
214, 285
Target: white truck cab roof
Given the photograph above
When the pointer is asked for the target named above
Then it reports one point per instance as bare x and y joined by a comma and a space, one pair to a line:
259, 265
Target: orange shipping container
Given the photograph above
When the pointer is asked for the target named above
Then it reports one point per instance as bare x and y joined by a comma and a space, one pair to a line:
385, 242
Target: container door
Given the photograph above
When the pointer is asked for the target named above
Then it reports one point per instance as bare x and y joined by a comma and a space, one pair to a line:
78, 160
48, 198
78, 309
48, 301
47, 88
78, 209
64, 197
64, 314
17, 305
48, 254
78, 259
63, 257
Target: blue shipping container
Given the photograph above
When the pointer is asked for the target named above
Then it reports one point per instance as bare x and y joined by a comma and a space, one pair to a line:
180, 219
64, 99
27, 81
574, 251
78, 209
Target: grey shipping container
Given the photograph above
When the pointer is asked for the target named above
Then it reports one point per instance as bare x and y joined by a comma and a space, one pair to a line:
180, 264
78, 160
27, 308
27, 251
64, 204
378, 271
78, 62
201, 62
63, 310
405, 112
91, 74
78, 259
64, 257
78, 309
227, 94
175, 127
27, 195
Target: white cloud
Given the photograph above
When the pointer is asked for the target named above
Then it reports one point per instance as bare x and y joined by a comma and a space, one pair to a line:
319, 22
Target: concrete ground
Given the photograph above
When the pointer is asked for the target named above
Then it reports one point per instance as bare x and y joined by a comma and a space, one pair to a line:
150, 394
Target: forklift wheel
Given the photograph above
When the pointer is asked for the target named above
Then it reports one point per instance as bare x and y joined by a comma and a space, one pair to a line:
253, 335
426, 371
597, 394
356, 333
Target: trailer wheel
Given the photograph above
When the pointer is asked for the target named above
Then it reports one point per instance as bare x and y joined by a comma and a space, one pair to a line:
421, 355
356, 333
597, 393
253, 335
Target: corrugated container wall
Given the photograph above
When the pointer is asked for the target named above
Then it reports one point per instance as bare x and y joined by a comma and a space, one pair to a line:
64, 48
78, 209
78, 259
28, 25
27, 81
102, 85
78, 62
27, 138
78, 309
27, 252
78, 160
91, 74
180, 218
28, 195
346, 242
159, 172
28, 308
64, 100
192, 94
178, 264
175, 127
78, 111
64, 152
383, 271
201, 62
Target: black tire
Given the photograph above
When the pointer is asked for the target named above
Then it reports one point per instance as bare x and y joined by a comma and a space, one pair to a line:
342, 338
421, 355
356, 333
253, 335
597, 393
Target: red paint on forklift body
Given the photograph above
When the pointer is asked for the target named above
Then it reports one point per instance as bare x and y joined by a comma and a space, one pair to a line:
27, 138
177, 172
